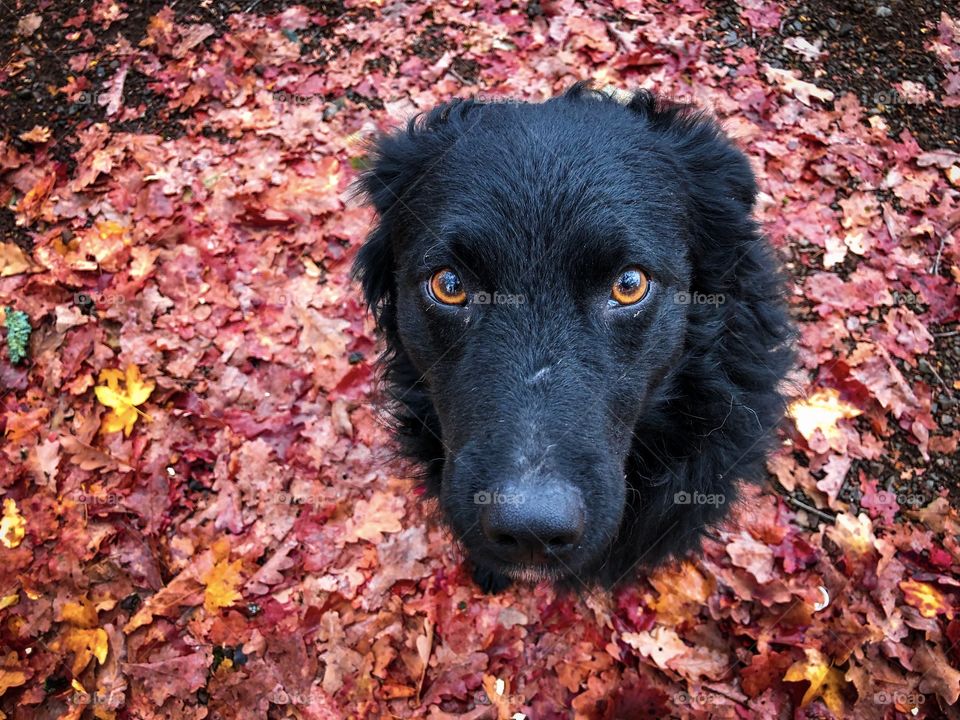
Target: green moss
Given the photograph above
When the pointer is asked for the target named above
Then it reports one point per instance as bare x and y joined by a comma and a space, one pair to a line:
18, 334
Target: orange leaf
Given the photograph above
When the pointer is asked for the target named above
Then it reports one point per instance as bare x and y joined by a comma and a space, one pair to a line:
221, 585
86, 645
925, 598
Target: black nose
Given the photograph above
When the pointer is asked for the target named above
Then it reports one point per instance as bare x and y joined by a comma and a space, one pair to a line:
528, 525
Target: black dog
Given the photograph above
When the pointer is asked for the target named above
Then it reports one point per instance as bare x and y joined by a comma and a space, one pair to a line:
585, 330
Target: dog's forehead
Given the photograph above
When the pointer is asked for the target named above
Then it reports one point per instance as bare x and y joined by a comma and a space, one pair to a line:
526, 184
556, 162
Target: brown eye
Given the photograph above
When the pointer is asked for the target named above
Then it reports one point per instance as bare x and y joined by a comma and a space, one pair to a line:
630, 287
446, 287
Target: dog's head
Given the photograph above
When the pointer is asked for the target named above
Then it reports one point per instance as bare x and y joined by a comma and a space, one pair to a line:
584, 328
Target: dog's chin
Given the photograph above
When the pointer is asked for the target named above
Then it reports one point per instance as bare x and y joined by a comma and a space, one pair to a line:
534, 573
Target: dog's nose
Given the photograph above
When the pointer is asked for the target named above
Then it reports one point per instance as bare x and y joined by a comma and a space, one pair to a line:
530, 524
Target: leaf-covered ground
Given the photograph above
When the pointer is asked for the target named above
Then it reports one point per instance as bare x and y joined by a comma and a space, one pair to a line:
201, 517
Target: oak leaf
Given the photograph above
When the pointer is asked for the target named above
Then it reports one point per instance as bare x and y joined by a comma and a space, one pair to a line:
123, 402
12, 525
222, 583
85, 644
826, 682
925, 598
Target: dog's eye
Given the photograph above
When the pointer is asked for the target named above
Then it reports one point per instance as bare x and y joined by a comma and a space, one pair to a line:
630, 287
446, 287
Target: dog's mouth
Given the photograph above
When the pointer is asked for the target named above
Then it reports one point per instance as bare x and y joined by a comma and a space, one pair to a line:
534, 573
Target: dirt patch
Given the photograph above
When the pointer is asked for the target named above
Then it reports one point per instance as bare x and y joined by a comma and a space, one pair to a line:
869, 48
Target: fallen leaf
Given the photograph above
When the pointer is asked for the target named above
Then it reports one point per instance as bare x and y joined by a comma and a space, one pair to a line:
821, 411
12, 525
124, 402
86, 644
222, 585
826, 682
174, 677
925, 598
37, 134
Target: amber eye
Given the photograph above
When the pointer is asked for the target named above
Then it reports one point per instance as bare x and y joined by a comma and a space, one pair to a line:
446, 287
630, 287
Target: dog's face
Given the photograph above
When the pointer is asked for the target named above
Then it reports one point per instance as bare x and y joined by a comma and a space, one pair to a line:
533, 267
537, 299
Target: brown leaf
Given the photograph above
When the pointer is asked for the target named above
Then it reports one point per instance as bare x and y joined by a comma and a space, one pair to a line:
175, 677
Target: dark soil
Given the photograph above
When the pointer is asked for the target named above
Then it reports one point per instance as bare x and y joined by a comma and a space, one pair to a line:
872, 44
868, 46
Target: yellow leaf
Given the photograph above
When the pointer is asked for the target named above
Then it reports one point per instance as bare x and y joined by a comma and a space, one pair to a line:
37, 134
826, 682
925, 598
81, 613
12, 525
10, 673
11, 678
221, 585
138, 390
9, 600
123, 401
821, 411
85, 644
13, 261
853, 533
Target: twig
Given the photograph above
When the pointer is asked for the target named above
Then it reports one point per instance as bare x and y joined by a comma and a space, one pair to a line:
945, 387
458, 76
935, 270
949, 333
810, 508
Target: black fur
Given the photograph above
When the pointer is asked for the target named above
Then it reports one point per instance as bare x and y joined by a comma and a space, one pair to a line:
634, 405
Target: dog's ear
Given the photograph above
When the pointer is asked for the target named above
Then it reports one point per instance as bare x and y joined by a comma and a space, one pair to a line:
717, 167
720, 188
381, 184
397, 163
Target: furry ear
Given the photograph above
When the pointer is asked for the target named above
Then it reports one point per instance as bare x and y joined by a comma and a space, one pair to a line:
720, 191
381, 184
398, 163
